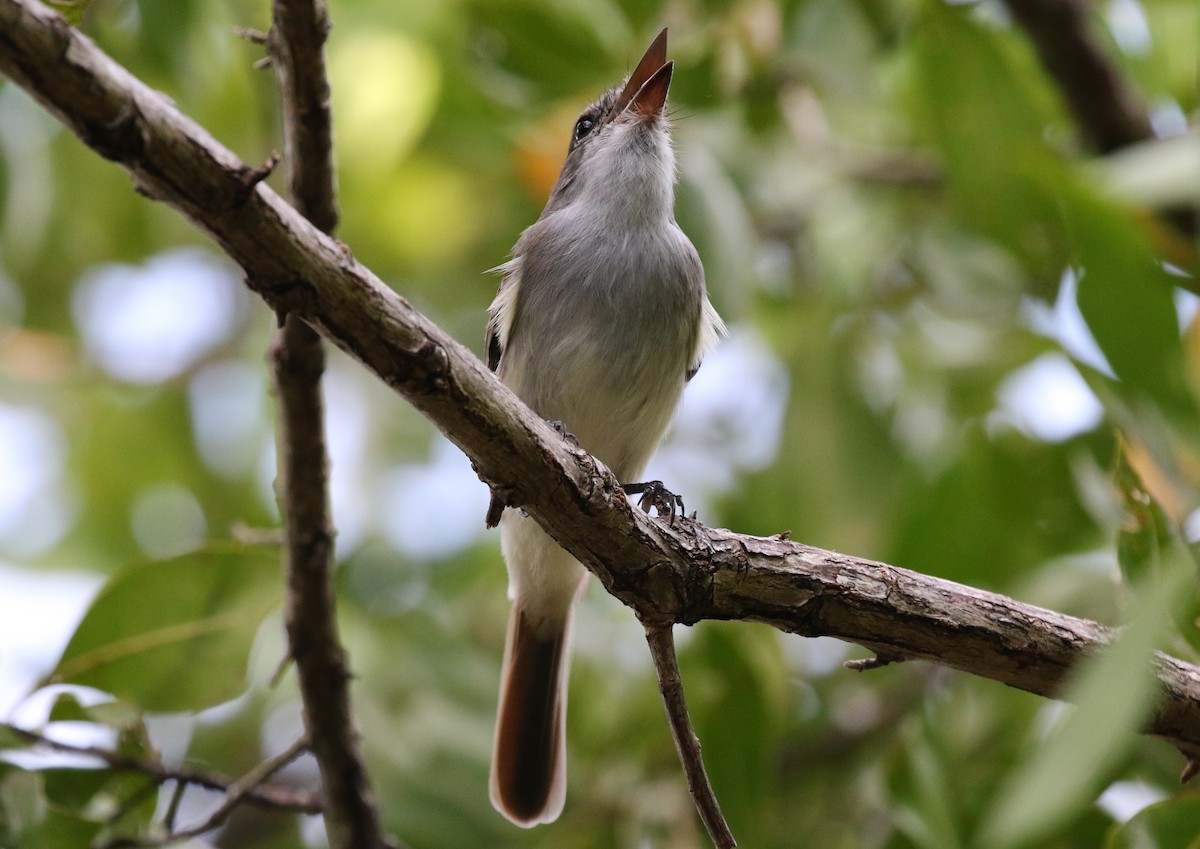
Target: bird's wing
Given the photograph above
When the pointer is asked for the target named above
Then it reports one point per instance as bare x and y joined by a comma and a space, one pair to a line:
712, 328
502, 311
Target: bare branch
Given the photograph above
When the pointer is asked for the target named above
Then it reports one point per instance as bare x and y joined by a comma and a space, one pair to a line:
268, 795
1107, 108
662, 649
234, 796
683, 573
351, 818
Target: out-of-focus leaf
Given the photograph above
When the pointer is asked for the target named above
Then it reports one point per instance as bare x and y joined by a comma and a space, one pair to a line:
72, 789
1167, 825
72, 10
1158, 173
933, 823
10, 739
1145, 533
1112, 693
22, 804
1127, 299
175, 635
738, 723
985, 117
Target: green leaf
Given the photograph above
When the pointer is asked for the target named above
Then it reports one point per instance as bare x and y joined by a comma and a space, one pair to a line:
72, 10
10, 739
1167, 825
1145, 533
174, 635
1113, 693
1127, 300
989, 124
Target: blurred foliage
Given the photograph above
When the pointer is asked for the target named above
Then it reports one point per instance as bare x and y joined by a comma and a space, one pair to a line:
890, 200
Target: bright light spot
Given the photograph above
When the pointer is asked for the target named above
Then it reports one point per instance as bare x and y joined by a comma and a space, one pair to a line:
921, 423
1187, 305
1168, 119
148, 324
1065, 324
433, 510
1129, 27
1124, 799
386, 89
168, 520
1048, 400
34, 510
731, 416
1191, 527
348, 428
38, 613
228, 405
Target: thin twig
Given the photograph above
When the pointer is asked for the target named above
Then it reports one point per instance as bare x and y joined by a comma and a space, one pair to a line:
269, 795
661, 639
237, 792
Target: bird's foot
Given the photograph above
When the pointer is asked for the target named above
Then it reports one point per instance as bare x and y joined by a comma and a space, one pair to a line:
654, 494
561, 430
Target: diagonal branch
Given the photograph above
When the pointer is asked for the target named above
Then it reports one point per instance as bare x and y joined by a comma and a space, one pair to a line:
296, 46
683, 573
1109, 111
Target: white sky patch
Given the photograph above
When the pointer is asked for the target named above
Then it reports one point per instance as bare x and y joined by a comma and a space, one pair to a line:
347, 428
39, 611
228, 403
1187, 305
1127, 22
434, 509
1064, 323
1191, 527
730, 420
34, 506
1048, 400
168, 520
1122, 800
146, 324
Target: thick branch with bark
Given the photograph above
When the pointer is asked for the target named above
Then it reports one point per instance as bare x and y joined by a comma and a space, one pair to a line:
681, 573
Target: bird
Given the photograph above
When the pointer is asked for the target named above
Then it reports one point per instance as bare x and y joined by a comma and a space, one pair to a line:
601, 318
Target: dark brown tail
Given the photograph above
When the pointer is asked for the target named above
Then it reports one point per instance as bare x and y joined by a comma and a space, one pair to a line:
528, 781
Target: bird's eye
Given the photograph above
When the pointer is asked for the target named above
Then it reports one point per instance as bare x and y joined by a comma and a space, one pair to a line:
582, 127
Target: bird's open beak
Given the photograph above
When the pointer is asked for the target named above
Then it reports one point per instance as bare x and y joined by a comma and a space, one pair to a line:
645, 91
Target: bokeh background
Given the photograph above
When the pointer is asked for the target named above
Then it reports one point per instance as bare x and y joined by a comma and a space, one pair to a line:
960, 343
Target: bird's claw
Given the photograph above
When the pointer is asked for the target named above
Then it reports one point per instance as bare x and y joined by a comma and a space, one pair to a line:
561, 430
654, 494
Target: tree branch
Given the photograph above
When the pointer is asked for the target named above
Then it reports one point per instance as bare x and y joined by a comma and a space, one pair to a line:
268, 795
296, 46
683, 573
661, 640
234, 794
1106, 107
